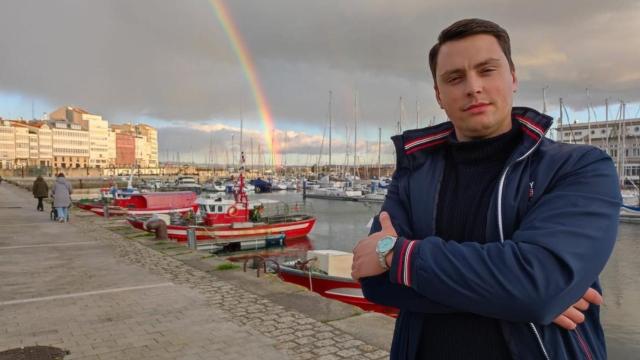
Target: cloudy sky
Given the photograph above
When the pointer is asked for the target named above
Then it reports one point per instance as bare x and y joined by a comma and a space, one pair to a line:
169, 63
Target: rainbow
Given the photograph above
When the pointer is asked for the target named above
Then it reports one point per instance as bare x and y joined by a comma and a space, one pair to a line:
249, 69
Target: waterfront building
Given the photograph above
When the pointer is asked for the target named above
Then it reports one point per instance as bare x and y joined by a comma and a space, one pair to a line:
97, 128
7, 145
618, 138
70, 145
71, 137
125, 150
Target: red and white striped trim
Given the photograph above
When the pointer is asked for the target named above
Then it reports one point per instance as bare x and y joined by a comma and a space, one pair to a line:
400, 266
531, 126
407, 264
426, 139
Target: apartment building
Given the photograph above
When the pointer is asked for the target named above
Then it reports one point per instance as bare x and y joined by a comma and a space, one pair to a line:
75, 138
70, 145
7, 145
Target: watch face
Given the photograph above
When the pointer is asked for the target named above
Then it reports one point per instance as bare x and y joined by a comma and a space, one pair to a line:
386, 244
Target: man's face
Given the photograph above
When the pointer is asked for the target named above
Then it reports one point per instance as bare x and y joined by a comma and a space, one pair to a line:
475, 86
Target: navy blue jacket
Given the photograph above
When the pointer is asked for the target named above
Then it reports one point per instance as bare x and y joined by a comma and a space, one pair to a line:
551, 226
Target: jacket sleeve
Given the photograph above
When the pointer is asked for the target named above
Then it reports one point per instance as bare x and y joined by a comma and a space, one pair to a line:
379, 289
558, 251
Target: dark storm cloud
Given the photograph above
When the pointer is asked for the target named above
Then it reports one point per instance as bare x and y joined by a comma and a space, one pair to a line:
170, 60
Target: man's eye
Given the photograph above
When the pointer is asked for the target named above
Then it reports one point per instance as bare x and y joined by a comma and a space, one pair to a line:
454, 79
488, 70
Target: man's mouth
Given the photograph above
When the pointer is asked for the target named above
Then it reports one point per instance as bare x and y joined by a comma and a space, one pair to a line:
479, 106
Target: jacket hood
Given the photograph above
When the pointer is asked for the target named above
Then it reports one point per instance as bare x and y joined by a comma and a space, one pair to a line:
412, 146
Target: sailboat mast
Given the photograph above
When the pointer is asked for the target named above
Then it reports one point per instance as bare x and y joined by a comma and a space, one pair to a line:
399, 125
588, 116
330, 120
606, 119
417, 114
561, 131
251, 149
355, 136
623, 152
379, 145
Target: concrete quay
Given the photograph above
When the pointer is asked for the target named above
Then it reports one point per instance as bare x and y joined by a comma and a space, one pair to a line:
101, 290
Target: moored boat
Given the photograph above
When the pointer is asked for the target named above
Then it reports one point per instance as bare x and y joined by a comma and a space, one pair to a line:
327, 272
629, 213
238, 218
145, 204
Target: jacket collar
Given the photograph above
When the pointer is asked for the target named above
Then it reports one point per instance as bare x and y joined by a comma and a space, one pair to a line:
413, 145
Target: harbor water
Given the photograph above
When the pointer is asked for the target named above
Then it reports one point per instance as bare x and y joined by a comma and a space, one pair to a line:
341, 224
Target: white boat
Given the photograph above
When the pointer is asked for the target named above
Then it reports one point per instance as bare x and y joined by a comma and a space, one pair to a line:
215, 186
629, 213
332, 193
278, 185
187, 183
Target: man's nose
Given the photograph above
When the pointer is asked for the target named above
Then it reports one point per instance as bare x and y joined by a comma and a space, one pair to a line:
474, 85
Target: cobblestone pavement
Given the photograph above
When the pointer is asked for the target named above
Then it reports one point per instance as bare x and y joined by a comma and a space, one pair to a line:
197, 315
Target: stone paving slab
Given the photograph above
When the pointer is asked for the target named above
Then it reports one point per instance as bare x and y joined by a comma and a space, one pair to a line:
200, 316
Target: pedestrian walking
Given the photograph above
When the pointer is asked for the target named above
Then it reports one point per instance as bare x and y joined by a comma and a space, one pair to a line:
40, 191
61, 193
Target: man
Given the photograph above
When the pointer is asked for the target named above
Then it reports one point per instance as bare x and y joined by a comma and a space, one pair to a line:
491, 237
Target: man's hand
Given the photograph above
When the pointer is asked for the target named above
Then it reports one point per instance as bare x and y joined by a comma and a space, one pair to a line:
573, 315
365, 259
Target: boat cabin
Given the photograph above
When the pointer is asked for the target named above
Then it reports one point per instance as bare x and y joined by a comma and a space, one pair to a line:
216, 210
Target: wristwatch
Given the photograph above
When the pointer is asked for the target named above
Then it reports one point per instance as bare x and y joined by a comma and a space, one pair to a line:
384, 246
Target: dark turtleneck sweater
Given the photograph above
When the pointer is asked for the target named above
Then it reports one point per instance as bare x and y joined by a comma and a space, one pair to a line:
471, 174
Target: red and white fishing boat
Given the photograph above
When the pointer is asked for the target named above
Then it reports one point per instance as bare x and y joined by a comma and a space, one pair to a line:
326, 272
145, 204
238, 218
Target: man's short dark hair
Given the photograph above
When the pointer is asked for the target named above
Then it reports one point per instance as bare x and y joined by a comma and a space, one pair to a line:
468, 27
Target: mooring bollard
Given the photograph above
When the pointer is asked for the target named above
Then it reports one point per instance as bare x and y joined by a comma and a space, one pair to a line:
191, 239
106, 211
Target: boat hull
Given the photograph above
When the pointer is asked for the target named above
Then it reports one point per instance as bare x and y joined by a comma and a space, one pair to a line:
291, 230
119, 211
337, 288
629, 214
145, 204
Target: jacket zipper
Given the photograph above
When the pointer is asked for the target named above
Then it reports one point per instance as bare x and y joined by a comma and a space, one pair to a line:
500, 189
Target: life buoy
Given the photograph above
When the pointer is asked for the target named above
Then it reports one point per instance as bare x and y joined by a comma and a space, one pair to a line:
232, 210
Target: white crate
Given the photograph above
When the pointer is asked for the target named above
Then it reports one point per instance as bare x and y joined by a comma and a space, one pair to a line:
333, 262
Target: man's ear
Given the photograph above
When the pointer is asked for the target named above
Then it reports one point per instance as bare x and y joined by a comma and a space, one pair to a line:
435, 88
514, 81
